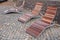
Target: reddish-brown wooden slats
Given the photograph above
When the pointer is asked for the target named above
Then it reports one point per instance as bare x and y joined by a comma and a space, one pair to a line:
37, 8
47, 18
35, 12
49, 13
32, 32
38, 26
37, 29
40, 23
51, 7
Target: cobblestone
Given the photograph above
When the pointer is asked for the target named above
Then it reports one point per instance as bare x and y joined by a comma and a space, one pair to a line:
12, 29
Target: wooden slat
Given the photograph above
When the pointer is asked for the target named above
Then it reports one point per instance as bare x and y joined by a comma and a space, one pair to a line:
51, 7
38, 26
46, 20
37, 8
51, 11
32, 32
41, 23
37, 29
49, 15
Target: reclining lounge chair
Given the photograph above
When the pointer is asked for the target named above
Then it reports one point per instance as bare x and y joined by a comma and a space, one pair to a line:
28, 16
38, 26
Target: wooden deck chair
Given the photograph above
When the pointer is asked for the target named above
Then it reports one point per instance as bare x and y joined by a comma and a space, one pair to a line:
15, 9
38, 26
26, 17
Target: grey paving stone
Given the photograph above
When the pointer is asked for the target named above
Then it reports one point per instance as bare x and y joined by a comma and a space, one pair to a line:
12, 29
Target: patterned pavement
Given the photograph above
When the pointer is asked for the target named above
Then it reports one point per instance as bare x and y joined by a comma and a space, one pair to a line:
12, 29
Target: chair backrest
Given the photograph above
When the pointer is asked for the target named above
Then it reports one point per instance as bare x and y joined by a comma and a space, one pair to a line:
37, 8
49, 15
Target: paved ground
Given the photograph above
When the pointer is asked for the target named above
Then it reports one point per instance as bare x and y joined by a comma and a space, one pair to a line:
12, 29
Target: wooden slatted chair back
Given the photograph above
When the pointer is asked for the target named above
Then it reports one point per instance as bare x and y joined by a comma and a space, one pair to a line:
37, 8
49, 15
